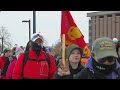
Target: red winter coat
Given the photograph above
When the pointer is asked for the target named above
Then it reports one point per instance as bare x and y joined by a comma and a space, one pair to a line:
10, 69
2, 62
34, 69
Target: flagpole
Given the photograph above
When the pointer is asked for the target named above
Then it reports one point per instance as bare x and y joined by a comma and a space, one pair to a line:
63, 49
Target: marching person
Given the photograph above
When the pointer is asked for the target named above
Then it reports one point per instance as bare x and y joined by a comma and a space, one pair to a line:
36, 64
9, 72
73, 64
103, 64
4, 62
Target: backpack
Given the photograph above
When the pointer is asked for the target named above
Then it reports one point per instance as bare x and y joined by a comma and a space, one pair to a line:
27, 58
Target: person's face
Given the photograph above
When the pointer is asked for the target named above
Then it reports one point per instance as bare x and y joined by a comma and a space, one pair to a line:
8, 53
107, 60
75, 56
58, 57
19, 54
119, 52
38, 41
13, 51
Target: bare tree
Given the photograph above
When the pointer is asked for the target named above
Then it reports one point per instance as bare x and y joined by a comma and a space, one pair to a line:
6, 37
45, 42
56, 48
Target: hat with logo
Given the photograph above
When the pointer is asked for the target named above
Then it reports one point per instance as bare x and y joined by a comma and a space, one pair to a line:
104, 47
36, 36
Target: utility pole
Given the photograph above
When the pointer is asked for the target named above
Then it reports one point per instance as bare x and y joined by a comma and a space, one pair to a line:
34, 22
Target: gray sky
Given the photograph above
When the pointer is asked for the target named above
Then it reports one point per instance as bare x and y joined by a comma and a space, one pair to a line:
47, 22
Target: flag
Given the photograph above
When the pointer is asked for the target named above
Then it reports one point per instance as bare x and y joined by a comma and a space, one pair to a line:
72, 33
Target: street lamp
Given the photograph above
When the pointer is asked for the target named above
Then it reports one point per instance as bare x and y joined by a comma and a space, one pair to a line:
29, 28
2, 43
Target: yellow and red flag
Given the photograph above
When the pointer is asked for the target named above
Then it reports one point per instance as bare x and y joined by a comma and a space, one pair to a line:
72, 33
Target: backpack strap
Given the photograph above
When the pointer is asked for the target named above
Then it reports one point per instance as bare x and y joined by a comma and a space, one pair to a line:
26, 58
24, 61
47, 58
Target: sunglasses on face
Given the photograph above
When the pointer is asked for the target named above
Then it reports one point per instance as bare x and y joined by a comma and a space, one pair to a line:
109, 59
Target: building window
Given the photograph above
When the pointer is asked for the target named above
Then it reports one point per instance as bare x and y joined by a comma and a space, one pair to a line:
119, 29
107, 27
90, 42
99, 27
103, 27
95, 30
118, 14
111, 28
109, 15
90, 28
101, 17
90, 22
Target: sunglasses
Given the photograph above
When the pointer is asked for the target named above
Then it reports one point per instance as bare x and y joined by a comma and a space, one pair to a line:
109, 59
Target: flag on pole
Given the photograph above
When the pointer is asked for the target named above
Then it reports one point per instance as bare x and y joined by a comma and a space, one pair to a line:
72, 33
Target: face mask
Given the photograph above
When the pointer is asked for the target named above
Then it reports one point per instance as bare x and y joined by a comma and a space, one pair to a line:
36, 46
102, 68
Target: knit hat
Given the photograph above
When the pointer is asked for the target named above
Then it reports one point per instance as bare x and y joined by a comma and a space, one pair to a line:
18, 51
115, 40
36, 36
70, 48
6, 50
104, 47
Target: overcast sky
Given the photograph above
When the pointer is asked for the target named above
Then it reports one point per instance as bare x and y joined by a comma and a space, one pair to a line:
47, 22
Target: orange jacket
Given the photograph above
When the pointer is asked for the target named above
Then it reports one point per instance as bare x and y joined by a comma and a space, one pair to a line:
83, 61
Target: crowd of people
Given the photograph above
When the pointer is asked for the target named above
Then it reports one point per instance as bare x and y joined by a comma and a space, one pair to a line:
36, 61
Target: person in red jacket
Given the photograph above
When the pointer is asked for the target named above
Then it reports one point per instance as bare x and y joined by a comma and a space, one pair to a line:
9, 72
36, 66
6, 54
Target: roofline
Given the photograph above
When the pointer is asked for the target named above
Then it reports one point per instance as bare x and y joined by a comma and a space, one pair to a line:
102, 13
